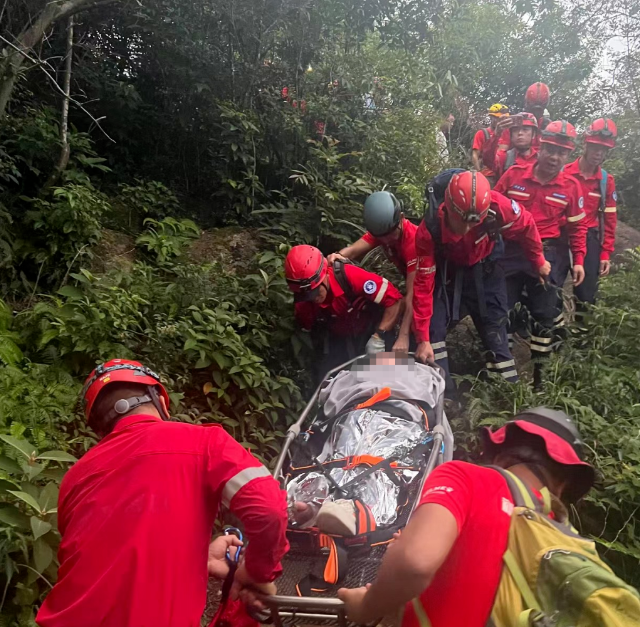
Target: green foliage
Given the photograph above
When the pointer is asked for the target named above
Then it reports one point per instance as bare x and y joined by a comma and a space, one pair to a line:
166, 240
63, 227
145, 199
29, 538
594, 379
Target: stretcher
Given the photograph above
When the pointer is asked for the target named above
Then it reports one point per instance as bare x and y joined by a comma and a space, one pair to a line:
304, 598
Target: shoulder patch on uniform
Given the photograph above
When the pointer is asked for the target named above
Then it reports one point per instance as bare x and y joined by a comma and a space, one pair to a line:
516, 207
614, 195
370, 287
581, 202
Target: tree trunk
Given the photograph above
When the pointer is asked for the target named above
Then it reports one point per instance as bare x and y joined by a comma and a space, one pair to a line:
64, 116
15, 55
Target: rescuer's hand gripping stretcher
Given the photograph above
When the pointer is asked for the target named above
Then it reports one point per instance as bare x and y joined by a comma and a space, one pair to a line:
353, 466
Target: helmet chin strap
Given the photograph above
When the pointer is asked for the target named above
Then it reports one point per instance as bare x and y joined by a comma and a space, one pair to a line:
155, 399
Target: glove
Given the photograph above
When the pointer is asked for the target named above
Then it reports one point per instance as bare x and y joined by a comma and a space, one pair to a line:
375, 345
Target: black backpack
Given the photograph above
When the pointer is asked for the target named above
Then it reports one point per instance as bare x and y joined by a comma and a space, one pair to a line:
434, 192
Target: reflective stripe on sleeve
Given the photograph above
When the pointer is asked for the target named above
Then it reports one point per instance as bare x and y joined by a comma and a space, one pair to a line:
610, 210
576, 218
236, 483
382, 291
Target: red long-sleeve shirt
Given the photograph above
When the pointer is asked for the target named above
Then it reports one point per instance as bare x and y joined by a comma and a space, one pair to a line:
136, 515
480, 140
346, 316
401, 252
553, 205
513, 223
591, 191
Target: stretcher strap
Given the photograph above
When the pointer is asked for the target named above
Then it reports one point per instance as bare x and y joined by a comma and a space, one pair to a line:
335, 569
382, 395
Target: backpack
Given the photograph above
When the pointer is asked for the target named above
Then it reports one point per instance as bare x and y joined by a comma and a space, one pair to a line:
510, 160
436, 187
341, 278
553, 577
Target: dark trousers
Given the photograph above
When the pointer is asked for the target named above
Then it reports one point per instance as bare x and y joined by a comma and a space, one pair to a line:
587, 291
488, 310
543, 302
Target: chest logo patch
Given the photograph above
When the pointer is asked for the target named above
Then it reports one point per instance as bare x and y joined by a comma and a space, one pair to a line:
369, 287
520, 187
516, 207
581, 202
563, 196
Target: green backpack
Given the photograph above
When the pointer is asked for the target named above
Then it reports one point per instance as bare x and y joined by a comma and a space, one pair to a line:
553, 577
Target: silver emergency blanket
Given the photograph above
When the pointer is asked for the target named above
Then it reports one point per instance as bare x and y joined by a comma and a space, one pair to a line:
364, 432
394, 431
406, 379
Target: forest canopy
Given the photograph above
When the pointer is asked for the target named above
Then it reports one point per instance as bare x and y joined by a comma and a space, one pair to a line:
127, 127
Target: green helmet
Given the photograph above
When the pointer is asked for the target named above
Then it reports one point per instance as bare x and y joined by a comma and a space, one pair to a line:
381, 213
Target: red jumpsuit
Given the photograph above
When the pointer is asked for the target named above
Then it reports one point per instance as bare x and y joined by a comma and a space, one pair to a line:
599, 245
348, 319
402, 252
481, 142
470, 268
558, 209
136, 515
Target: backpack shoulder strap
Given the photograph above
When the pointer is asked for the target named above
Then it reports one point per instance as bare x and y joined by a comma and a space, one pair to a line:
511, 159
603, 188
486, 133
522, 495
341, 277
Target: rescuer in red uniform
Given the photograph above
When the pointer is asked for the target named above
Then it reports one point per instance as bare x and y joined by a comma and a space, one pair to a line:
555, 201
536, 100
136, 513
481, 158
599, 191
446, 565
355, 309
388, 228
463, 242
522, 152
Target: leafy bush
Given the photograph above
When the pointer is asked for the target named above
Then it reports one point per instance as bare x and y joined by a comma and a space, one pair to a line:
166, 240
146, 199
595, 380
208, 331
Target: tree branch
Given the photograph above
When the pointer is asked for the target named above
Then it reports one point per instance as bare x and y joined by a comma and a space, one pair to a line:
38, 64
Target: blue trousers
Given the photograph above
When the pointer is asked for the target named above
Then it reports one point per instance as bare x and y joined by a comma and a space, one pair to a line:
478, 291
543, 302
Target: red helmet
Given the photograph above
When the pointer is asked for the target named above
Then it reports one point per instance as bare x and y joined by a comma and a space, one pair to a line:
561, 439
305, 268
528, 119
537, 95
560, 133
602, 131
468, 196
118, 370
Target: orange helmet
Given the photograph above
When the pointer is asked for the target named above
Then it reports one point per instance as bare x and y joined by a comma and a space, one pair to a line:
560, 133
305, 268
116, 370
537, 95
602, 131
528, 119
468, 196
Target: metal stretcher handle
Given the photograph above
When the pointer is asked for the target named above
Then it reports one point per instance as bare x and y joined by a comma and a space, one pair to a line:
303, 607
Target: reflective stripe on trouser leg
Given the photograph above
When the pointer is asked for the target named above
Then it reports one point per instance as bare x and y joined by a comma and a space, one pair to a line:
438, 332
506, 369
